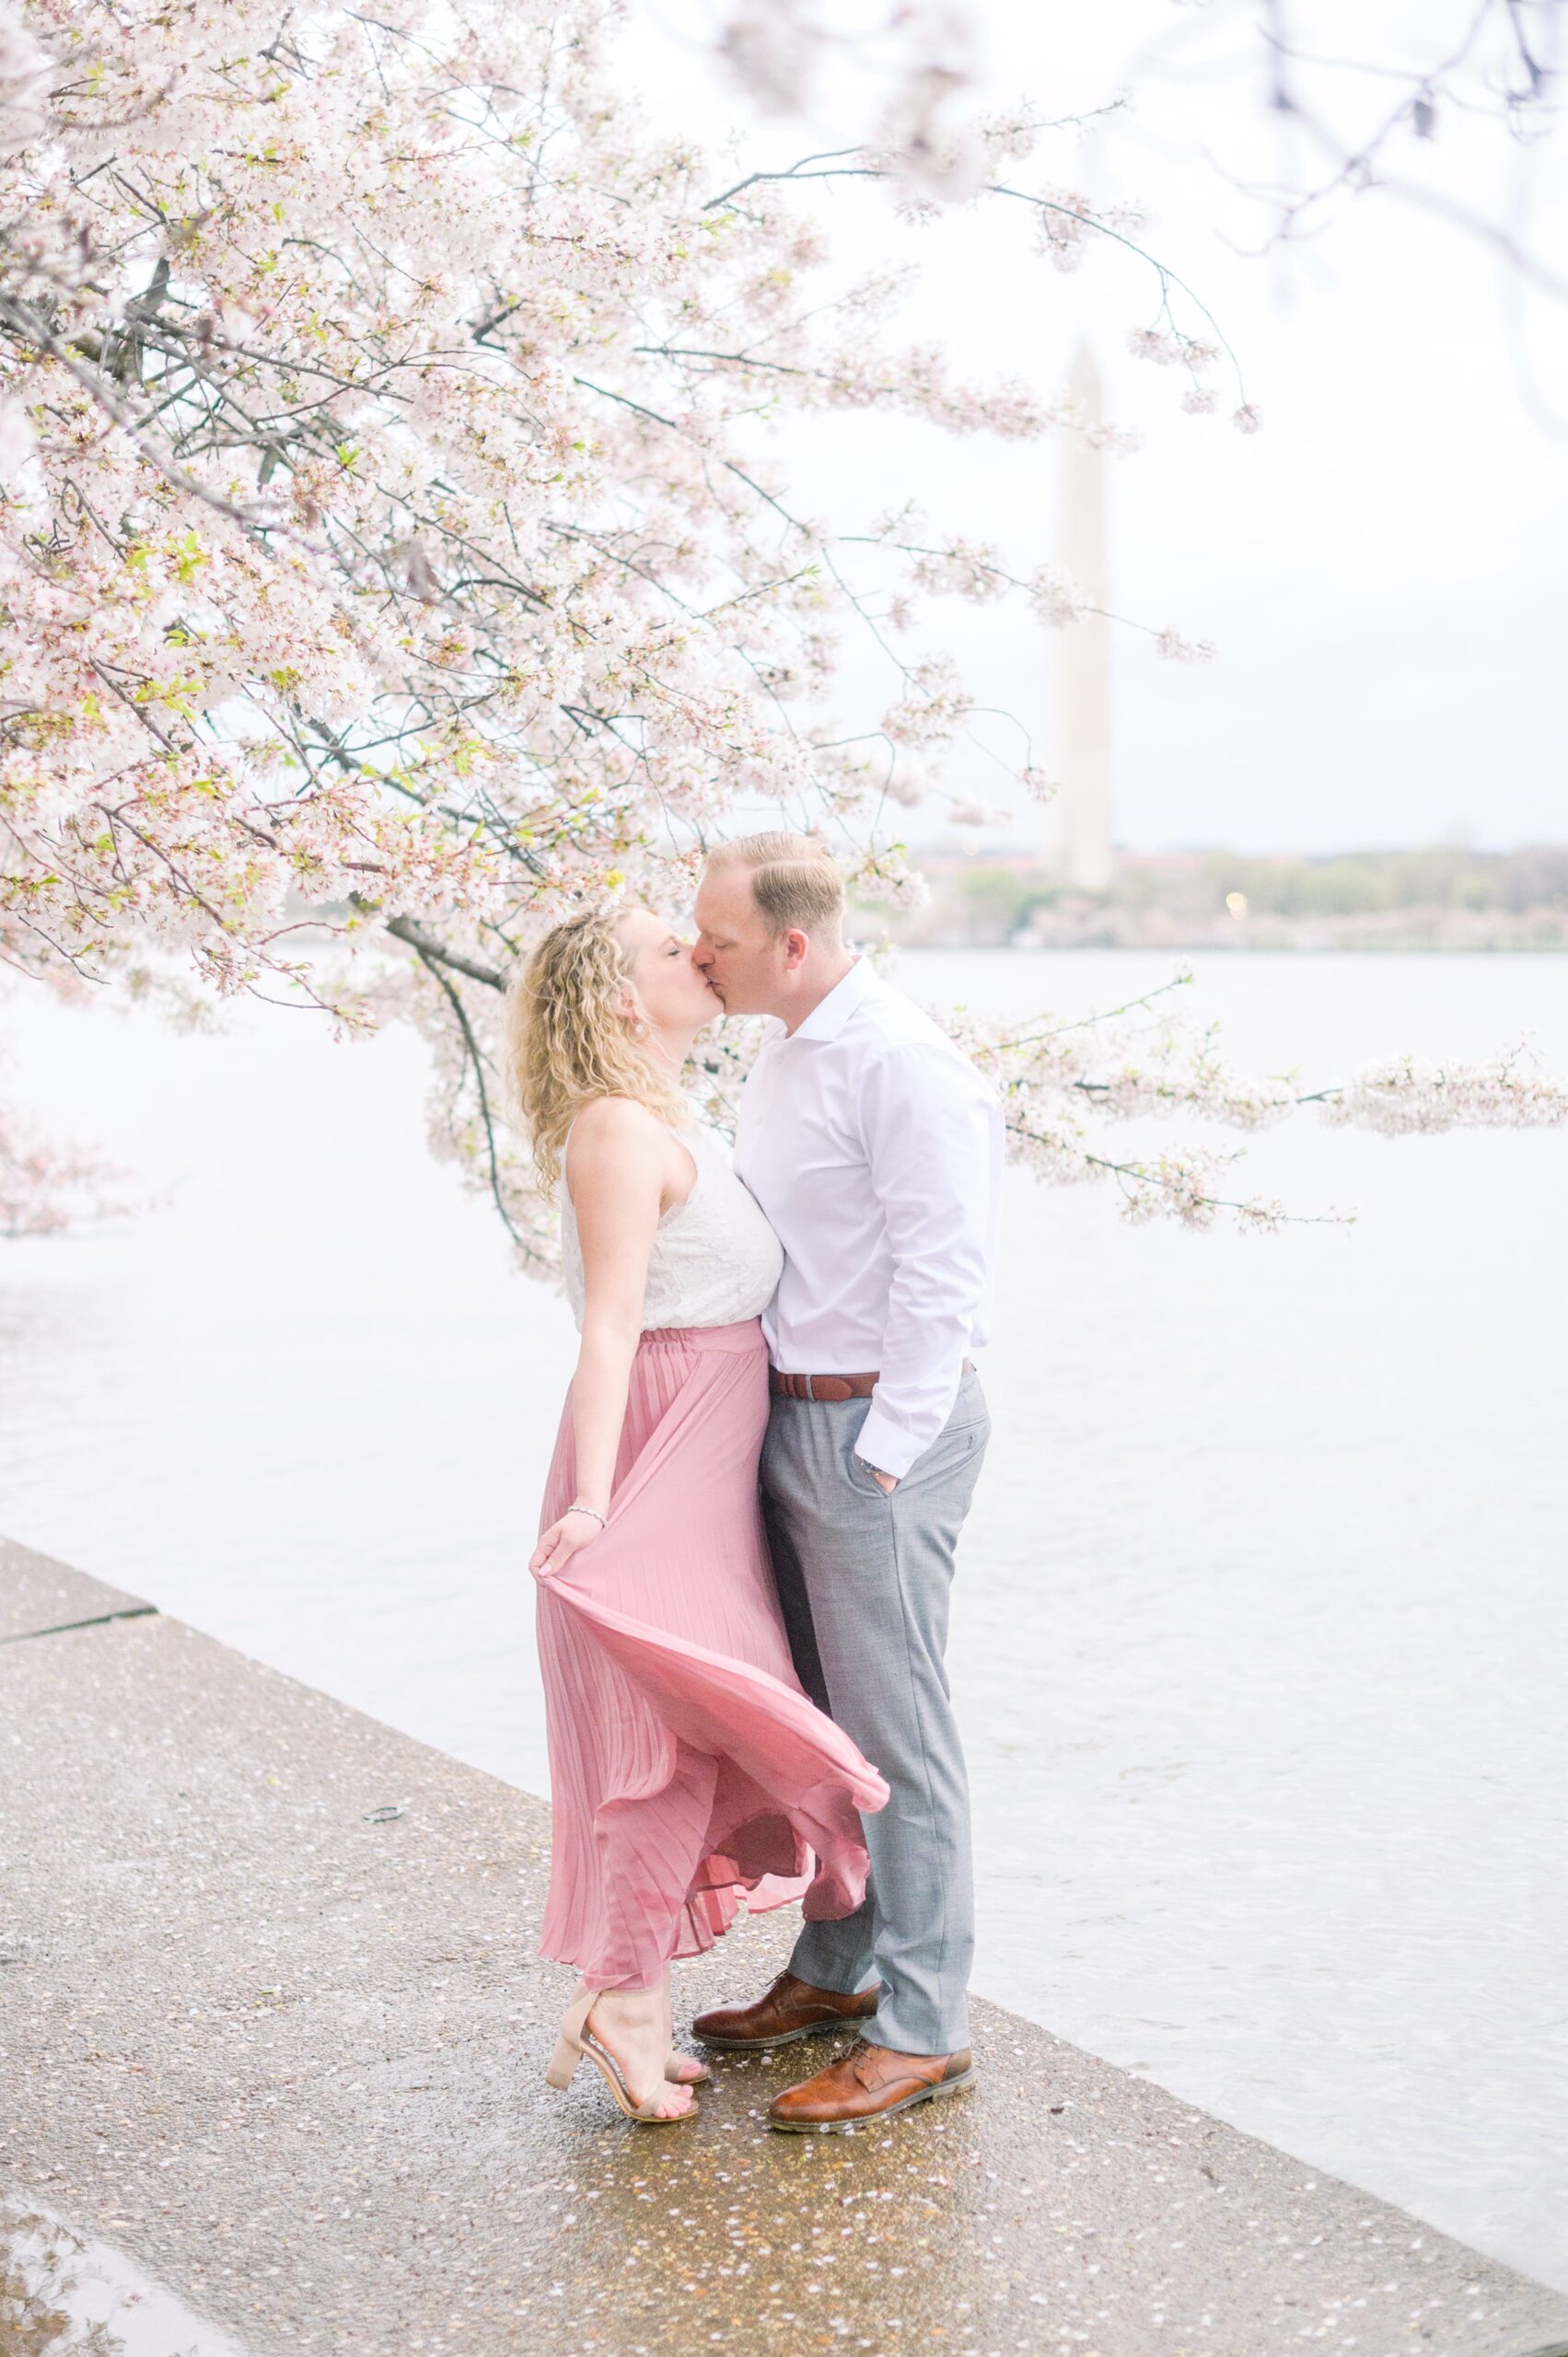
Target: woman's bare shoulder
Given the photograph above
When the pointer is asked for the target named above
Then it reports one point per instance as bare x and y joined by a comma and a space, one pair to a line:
613, 1134
617, 1117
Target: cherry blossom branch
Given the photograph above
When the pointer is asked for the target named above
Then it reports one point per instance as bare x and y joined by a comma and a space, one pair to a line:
30, 329
476, 1065
434, 953
1082, 221
1197, 1209
1357, 166
1181, 980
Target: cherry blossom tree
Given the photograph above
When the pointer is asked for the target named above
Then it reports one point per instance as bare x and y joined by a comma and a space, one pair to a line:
394, 551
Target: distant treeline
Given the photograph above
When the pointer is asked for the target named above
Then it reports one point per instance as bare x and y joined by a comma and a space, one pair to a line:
1439, 897
1354, 883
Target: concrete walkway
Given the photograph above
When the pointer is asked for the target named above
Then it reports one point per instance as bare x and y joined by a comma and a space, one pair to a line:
286, 2051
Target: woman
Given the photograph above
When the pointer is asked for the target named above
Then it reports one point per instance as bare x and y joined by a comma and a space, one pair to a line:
687, 1765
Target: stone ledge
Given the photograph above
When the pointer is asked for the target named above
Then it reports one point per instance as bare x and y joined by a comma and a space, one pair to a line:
40, 1596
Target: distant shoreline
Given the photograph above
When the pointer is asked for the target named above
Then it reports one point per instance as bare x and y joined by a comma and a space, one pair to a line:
1440, 899
1230, 946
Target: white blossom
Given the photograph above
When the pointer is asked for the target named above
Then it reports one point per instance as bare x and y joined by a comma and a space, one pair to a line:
1055, 600
968, 810
1409, 1094
888, 875
1171, 645
934, 705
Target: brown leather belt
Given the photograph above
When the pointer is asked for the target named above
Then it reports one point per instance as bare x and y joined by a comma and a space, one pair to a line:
821, 1386
825, 1386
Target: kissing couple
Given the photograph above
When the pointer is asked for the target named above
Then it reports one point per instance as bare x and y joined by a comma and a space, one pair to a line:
766, 1457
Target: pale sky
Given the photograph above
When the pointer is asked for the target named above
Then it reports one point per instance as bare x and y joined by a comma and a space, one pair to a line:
1384, 567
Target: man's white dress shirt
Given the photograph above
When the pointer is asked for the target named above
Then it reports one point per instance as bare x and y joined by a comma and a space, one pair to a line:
875, 1148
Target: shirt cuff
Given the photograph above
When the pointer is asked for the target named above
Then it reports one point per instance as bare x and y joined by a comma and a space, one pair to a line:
882, 1444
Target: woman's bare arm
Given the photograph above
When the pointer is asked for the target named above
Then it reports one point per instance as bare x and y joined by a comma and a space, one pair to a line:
616, 1169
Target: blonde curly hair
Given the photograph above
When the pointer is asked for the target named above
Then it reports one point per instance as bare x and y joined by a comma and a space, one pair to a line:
569, 1040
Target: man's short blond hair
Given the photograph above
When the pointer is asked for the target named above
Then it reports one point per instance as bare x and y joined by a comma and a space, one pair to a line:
794, 879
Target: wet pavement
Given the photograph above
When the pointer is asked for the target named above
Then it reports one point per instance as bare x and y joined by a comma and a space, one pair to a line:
63, 2295
271, 2028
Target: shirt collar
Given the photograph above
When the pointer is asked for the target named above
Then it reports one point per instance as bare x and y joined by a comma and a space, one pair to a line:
828, 1018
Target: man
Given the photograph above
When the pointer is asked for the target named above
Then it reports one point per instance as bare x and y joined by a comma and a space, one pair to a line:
875, 1148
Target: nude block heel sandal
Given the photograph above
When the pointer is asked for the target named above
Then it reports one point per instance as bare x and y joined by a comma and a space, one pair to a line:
577, 2041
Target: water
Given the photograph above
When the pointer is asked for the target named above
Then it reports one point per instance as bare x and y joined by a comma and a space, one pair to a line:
63, 2294
1259, 1641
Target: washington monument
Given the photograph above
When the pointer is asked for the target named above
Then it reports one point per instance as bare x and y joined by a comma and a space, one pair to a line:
1077, 841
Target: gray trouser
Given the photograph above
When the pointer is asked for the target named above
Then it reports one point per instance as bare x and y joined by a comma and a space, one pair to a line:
864, 1580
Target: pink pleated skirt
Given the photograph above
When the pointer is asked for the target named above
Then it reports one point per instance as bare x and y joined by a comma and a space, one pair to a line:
687, 1765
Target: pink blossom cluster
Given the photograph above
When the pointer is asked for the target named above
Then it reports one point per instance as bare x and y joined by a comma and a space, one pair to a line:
968, 810
1055, 600
1171, 645
887, 876
1411, 1095
934, 707
45, 1187
1064, 1082
1068, 225
922, 59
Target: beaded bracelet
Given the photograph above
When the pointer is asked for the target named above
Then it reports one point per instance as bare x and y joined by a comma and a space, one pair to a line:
578, 1507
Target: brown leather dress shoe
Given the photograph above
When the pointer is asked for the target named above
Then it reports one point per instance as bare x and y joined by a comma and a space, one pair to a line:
868, 2083
788, 2009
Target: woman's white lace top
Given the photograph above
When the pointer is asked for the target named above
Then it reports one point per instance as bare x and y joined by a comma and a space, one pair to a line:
715, 1259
